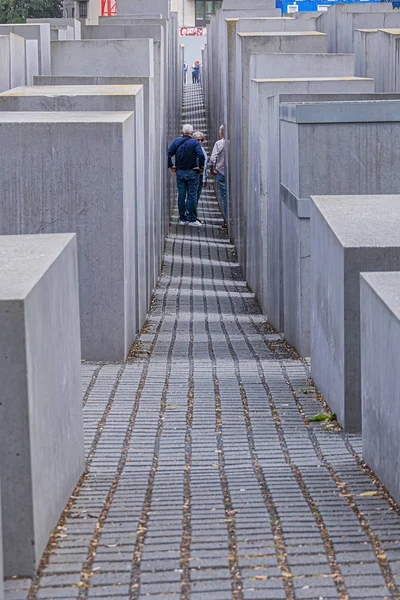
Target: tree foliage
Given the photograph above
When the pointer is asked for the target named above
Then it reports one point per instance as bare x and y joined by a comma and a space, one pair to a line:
17, 11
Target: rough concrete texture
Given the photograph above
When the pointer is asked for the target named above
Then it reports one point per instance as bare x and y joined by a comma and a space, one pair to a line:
141, 7
263, 174
157, 33
366, 53
263, 186
1, 554
153, 253
328, 149
341, 21
17, 60
219, 429
5, 61
105, 98
71, 191
31, 31
41, 421
31, 60
58, 23
384, 47
380, 328
115, 58
255, 5
246, 45
349, 235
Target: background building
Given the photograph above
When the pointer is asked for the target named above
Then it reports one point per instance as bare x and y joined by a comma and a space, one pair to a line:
195, 13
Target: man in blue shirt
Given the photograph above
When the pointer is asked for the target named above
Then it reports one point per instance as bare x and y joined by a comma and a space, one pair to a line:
189, 162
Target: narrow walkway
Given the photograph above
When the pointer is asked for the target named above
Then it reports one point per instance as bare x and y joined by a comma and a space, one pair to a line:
205, 478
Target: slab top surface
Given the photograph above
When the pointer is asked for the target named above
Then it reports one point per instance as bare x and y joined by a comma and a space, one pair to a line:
281, 33
351, 111
362, 221
387, 286
64, 117
74, 90
286, 79
24, 259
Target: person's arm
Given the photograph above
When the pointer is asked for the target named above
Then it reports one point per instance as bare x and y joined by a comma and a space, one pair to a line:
171, 153
199, 156
214, 157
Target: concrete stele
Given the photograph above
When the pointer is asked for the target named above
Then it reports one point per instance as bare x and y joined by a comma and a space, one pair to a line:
246, 45
31, 31
71, 148
263, 235
141, 7
328, 148
102, 98
380, 328
31, 60
349, 235
112, 58
41, 390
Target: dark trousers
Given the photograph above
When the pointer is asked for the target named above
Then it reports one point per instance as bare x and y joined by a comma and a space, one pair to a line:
187, 183
199, 190
222, 189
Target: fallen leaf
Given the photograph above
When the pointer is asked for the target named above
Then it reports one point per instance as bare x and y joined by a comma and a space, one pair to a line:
263, 577
375, 493
323, 417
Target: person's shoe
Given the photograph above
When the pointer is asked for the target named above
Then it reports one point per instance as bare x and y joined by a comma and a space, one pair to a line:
195, 224
182, 222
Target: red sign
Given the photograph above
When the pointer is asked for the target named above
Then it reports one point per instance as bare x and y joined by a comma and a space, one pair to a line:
200, 31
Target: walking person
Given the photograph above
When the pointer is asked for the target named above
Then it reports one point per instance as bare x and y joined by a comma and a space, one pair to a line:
189, 162
198, 135
217, 162
196, 72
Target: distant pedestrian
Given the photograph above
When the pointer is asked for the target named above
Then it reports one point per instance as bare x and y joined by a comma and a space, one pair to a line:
185, 70
189, 162
198, 135
217, 162
196, 72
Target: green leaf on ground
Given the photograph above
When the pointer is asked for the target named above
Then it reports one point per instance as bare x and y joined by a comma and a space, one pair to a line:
323, 417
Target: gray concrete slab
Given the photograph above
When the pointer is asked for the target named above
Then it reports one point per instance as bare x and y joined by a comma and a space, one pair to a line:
105, 98
380, 328
41, 412
324, 165
5, 62
119, 58
31, 60
32, 31
1, 554
341, 20
17, 60
54, 22
85, 159
366, 53
224, 32
150, 153
349, 235
157, 33
141, 7
263, 235
248, 44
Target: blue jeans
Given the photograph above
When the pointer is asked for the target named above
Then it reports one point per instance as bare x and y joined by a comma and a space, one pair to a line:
199, 190
222, 189
188, 183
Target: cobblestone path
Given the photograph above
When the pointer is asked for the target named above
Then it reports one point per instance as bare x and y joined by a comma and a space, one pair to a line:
205, 478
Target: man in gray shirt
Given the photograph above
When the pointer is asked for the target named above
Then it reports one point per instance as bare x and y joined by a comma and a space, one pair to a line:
217, 162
